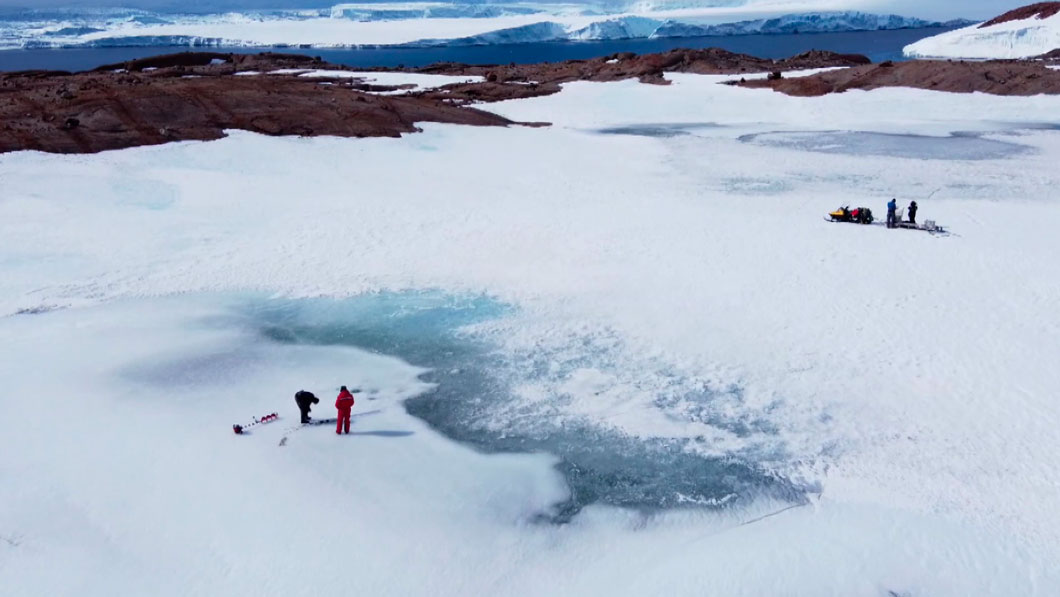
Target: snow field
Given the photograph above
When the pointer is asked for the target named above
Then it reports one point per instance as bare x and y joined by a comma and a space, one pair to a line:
145, 491
909, 376
416, 81
419, 81
825, 319
144, 488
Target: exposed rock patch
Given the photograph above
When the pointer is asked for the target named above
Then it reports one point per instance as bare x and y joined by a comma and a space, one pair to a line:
529, 80
100, 110
998, 77
1041, 10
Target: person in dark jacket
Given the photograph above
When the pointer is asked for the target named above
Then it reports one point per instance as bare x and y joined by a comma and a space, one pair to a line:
305, 401
892, 207
912, 212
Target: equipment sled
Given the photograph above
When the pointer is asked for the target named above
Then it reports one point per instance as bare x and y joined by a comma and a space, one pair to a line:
239, 429
928, 226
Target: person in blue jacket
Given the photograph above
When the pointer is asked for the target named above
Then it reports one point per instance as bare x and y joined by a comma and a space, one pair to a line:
892, 207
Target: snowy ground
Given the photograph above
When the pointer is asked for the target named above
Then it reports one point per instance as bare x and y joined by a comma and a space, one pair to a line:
413, 82
417, 81
662, 268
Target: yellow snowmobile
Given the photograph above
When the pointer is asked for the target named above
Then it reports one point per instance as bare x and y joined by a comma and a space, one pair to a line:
858, 215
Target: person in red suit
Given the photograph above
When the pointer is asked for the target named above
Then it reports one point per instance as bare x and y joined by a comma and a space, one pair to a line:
344, 403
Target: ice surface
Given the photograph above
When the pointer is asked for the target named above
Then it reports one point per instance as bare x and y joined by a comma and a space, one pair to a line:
475, 400
161, 506
640, 305
657, 130
953, 147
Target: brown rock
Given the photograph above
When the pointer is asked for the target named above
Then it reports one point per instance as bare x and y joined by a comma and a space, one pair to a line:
113, 111
531, 80
998, 77
1041, 10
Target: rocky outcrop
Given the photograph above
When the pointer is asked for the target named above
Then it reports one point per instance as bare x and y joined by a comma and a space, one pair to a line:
628, 65
197, 96
1042, 10
529, 80
998, 77
128, 107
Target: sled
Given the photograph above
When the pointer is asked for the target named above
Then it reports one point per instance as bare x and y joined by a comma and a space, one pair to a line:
931, 227
240, 429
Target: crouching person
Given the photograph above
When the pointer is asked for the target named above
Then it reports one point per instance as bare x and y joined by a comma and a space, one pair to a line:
305, 401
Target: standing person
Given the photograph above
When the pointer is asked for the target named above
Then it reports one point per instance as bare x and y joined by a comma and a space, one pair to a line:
343, 403
305, 401
912, 212
892, 207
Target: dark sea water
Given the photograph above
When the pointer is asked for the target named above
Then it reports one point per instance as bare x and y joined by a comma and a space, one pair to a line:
877, 45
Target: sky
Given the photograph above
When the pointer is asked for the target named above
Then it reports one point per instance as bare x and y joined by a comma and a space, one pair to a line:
934, 9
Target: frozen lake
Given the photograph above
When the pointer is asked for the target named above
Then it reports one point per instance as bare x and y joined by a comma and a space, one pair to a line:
952, 147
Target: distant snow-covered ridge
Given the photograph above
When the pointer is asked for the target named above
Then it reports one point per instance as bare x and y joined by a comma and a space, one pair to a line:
638, 27
405, 24
1022, 38
426, 10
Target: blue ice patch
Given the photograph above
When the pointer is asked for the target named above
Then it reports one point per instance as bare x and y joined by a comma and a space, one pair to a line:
962, 146
473, 402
